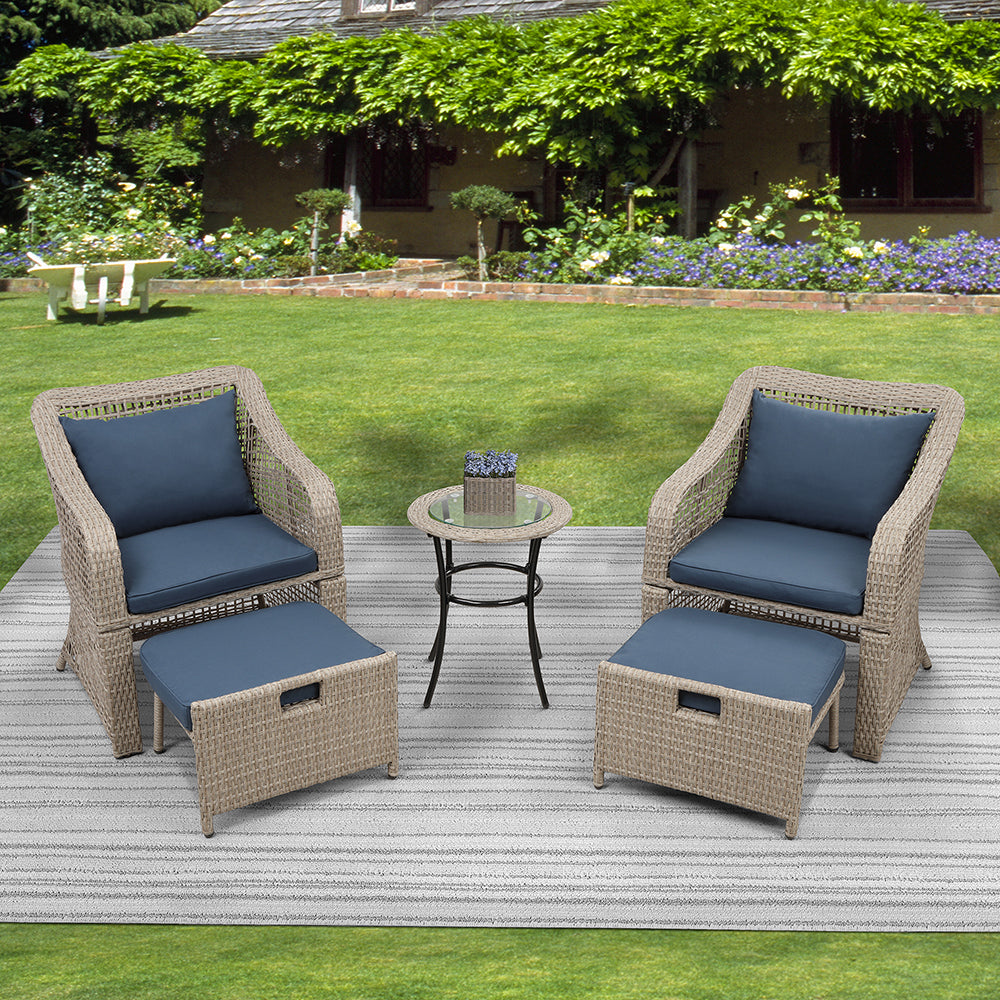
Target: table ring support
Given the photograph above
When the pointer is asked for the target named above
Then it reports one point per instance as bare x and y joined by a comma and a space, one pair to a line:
447, 569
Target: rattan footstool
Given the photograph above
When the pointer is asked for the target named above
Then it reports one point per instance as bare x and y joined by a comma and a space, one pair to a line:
718, 705
274, 700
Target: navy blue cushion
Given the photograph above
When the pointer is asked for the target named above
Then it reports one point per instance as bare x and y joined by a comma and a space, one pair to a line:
835, 471
765, 658
220, 657
167, 467
190, 562
778, 562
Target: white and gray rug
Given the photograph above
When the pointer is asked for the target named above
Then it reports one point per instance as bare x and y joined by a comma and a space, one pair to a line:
494, 819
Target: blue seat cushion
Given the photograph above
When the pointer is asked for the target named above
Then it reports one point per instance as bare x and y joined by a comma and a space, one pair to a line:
779, 562
190, 562
167, 467
216, 658
765, 658
834, 471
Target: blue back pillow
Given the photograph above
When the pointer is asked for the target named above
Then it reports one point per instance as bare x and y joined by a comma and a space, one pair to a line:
167, 467
820, 469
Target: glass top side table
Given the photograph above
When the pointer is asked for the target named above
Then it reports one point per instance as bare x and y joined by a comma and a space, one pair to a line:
537, 514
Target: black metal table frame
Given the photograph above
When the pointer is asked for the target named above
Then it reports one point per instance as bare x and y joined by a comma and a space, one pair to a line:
447, 568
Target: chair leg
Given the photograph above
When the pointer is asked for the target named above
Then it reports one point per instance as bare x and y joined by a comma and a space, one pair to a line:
925, 660
105, 665
887, 664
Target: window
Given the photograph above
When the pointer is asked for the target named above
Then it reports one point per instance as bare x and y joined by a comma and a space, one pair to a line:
890, 160
393, 172
384, 6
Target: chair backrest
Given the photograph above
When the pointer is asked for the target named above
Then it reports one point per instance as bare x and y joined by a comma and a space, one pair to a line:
129, 399
858, 397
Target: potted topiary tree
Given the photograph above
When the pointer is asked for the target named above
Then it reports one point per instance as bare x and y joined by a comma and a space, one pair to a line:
484, 202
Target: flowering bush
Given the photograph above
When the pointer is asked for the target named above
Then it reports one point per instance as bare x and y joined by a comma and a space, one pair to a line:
236, 252
961, 264
491, 465
233, 252
589, 247
92, 196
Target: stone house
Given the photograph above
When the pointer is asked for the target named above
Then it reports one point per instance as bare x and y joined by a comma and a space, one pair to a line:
898, 172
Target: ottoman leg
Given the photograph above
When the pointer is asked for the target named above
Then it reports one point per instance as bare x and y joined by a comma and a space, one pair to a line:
792, 828
206, 822
834, 719
157, 723
598, 777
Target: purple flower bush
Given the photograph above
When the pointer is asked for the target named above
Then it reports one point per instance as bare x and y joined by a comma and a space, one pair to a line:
961, 264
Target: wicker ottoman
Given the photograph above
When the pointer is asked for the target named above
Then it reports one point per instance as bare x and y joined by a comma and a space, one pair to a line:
274, 700
718, 705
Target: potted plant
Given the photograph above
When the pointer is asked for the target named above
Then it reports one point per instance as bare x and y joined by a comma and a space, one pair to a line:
490, 482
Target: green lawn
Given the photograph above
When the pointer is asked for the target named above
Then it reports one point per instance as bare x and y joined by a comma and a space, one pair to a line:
121, 962
386, 396
602, 403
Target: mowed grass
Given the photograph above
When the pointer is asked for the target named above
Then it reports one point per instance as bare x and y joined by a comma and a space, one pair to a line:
602, 403
122, 962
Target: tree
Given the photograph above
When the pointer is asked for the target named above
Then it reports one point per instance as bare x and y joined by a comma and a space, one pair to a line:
322, 202
617, 93
484, 202
90, 24
37, 132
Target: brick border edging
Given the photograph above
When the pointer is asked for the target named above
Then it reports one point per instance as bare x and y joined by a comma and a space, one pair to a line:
661, 295
413, 279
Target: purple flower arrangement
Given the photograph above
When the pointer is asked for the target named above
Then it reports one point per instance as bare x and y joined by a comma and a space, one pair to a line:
491, 465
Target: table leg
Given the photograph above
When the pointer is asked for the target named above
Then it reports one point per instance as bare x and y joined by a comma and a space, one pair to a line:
530, 590
444, 590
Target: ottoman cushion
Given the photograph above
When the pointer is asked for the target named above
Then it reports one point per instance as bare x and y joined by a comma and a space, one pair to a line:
788, 563
766, 658
215, 658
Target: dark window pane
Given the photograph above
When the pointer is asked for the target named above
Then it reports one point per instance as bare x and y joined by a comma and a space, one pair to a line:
869, 155
944, 157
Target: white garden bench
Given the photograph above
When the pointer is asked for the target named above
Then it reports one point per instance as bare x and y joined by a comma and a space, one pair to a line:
121, 280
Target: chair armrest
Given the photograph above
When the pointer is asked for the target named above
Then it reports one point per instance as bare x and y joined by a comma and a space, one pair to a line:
695, 496
289, 489
896, 559
91, 559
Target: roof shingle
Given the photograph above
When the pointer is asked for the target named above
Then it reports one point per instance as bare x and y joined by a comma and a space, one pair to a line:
246, 29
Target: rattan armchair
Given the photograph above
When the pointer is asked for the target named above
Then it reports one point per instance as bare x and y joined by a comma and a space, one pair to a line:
288, 489
694, 499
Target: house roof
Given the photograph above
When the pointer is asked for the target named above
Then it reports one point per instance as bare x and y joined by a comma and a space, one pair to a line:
246, 29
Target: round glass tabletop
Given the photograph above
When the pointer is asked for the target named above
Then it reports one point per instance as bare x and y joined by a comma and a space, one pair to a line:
529, 508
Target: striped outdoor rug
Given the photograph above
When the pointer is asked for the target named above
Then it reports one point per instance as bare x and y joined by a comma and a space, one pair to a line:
494, 819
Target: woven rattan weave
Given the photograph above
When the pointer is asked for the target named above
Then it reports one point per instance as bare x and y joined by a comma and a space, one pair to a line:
888, 630
752, 754
287, 487
248, 747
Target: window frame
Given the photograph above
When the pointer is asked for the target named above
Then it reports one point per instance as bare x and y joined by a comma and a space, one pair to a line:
905, 201
375, 155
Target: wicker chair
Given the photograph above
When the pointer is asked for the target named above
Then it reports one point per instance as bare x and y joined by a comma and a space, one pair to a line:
288, 490
695, 497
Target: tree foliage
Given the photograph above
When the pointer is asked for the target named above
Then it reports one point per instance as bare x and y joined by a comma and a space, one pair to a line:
90, 24
608, 91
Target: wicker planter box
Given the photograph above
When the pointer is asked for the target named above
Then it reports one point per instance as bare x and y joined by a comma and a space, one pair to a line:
490, 495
